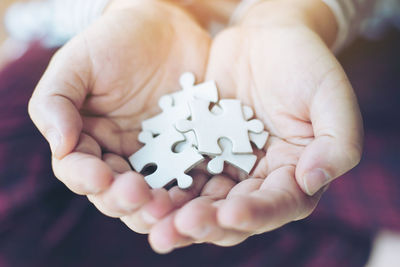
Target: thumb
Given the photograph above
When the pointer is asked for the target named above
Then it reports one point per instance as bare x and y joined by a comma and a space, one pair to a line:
54, 106
338, 134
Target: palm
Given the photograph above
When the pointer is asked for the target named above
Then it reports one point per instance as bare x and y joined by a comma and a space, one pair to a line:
280, 84
263, 68
99, 88
132, 67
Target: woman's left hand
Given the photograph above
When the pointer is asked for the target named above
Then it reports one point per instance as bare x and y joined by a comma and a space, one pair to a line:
277, 61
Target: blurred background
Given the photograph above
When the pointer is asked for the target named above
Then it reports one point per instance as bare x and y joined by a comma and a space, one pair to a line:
43, 224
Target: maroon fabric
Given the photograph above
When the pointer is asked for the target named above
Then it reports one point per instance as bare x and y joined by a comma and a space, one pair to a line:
44, 224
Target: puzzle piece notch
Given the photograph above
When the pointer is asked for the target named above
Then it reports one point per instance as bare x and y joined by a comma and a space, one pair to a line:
258, 139
209, 127
245, 162
170, 165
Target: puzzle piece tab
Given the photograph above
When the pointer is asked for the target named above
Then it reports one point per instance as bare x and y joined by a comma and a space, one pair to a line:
245, 162
170, 115
259, 139
175, 106
209, 127
207, 91
170, 165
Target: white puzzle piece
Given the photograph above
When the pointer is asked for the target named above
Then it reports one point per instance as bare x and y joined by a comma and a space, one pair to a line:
170, 165
175, 106
209, 127
207, 91
190, 141
258, 139
245, 162
224, 133
167, 118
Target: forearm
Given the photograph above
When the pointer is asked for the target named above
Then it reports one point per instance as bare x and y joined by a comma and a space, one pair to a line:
336, 21
204, 11
311, 13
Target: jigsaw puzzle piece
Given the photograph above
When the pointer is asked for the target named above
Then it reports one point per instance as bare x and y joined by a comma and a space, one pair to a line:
156, 148
245, 162
248, 112
207, 91
234, 108
205, 130
259, 139
171, 113
190, 141
238, 129
210, 127
145, 137
170, 165
159, 180
175, 167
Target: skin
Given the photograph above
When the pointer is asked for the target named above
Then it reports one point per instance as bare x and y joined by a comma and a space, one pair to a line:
102, 84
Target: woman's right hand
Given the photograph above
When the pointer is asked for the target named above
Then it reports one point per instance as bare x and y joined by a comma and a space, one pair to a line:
98, 88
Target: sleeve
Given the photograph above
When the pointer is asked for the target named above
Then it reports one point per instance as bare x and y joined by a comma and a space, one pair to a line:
354, 17
350, 15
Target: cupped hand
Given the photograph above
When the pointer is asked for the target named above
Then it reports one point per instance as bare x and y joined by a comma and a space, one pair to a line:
100, 86
283, 69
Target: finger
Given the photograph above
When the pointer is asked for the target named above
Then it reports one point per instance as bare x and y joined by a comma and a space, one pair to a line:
278, 201
54, 106
83, 171
159, 207
151, 213
197, 220
107, 132
136, 223
245, 187
338, 132
117, 163
143, 220
127, 193
181, 196
164, 237
218, 187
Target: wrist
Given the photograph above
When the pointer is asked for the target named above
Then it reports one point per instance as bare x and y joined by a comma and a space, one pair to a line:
204, 11
313, 14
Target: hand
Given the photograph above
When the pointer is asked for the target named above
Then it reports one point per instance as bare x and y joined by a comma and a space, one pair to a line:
276, 61
100, 86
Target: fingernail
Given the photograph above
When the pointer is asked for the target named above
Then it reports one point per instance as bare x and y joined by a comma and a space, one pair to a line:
315, 180
54, 140
148, 218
